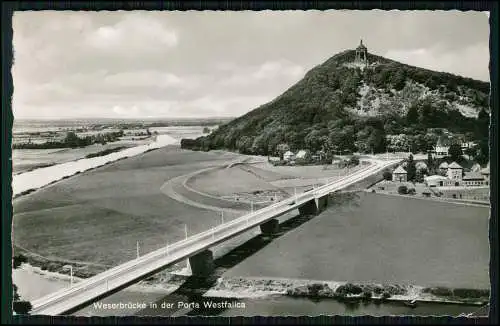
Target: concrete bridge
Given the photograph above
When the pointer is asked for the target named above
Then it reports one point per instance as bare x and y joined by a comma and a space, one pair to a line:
196, 248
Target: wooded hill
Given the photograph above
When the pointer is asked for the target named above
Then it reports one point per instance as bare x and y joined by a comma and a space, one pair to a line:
338, 107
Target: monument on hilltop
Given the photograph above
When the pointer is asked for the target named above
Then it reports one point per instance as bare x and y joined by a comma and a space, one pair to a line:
361, 58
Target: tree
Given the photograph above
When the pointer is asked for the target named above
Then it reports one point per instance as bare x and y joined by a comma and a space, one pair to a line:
398, 79
71, 139
19, 306
17, 260
471, 152
353, 161
376, 141
386, 295
455, 152
402, 190
419, 175
260, 144
387, 175
244, 144
282, 149
482, 125
412, 115
315, 139
206, 130
430, 161
411, 168
483, 156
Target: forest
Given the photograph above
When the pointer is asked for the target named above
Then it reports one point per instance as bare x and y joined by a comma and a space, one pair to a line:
314, 113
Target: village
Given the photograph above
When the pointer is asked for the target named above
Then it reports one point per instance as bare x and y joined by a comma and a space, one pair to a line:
441, 173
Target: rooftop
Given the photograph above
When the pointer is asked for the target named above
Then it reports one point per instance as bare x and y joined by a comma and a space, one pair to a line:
454, 165
435, 177
486, 170
399, 170
473, 176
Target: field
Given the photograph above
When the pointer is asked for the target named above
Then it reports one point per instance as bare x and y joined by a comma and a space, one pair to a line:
99, 215
307, 172
380, 238
264, 177
237, 179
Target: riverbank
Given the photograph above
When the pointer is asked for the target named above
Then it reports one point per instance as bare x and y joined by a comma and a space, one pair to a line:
245, 289
345, 291
25, 182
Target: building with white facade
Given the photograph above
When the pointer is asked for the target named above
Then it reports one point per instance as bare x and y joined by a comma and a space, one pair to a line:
399, 175
455, 172
289, 156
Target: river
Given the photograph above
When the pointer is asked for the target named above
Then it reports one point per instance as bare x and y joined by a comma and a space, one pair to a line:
32, 284
43, 176
35, 285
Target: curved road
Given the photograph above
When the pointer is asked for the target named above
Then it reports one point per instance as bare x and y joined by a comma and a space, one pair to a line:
176, 188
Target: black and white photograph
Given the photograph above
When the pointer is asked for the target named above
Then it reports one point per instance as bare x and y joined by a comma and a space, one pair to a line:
251, 163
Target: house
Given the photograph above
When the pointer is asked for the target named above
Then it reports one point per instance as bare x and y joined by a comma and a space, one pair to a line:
399, 175
441, 148
289, 156
474, 179
318, 156
455, 172
466, 145
303, 154
437, 181
486, 174
441, 151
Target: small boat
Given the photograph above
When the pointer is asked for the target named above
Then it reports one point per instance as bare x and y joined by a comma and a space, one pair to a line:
412, 303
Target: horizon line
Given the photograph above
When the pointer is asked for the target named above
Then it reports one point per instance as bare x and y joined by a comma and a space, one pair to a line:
122, 118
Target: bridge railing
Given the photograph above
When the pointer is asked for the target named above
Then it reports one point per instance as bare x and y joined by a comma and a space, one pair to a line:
102, 277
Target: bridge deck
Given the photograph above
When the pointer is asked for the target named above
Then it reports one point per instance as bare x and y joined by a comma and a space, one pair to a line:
122, 276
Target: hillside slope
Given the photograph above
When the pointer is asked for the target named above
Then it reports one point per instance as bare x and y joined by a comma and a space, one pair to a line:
338, 106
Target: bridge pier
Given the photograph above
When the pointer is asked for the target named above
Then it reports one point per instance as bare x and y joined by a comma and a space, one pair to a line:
309, 208
314, 207
202, 264
322, 203
270, 227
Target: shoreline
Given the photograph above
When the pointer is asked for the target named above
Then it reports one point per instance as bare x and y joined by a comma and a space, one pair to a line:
147, 148
265, 287
342, 291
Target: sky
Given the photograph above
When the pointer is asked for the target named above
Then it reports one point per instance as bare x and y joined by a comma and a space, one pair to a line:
140, 64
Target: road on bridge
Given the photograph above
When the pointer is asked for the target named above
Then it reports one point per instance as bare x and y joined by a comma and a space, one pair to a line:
119, 277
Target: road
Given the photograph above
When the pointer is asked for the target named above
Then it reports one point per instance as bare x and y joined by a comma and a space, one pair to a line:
119, 277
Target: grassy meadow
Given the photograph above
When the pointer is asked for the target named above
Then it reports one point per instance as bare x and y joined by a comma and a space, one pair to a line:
99, 215
380, 238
